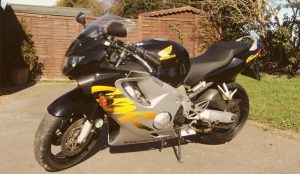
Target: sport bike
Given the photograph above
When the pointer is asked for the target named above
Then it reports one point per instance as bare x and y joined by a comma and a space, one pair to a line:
149, 91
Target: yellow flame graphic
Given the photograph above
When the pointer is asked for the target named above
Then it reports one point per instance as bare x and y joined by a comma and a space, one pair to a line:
123, 106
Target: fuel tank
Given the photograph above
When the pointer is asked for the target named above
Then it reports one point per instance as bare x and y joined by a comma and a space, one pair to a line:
174, 59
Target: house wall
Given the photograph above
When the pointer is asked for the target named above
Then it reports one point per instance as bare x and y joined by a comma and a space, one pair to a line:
53, 34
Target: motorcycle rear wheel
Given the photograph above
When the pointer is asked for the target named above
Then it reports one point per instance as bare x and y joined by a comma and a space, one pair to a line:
48, 148
222, 136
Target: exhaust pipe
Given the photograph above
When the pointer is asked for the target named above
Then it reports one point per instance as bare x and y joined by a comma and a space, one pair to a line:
216, 116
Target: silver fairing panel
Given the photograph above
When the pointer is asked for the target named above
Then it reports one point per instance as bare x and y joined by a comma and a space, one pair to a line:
136, 119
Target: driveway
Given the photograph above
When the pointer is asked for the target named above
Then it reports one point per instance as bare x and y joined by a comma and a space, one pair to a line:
252, 151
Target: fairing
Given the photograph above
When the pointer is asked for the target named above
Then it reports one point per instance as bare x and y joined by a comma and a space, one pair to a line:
133, 120
89, 46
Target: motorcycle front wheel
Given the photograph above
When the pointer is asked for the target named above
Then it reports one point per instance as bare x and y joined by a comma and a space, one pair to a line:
55, 145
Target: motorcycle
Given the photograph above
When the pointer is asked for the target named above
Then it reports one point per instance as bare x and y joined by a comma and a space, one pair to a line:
150, 91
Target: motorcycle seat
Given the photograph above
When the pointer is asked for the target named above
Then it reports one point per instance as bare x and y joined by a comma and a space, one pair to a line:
217, 56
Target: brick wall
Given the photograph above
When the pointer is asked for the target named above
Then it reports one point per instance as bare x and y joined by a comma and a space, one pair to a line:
53, 34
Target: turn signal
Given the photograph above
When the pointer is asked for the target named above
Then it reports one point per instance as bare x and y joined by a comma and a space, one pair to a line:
105, 101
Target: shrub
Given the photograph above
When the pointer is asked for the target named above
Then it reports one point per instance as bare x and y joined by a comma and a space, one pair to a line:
28, 51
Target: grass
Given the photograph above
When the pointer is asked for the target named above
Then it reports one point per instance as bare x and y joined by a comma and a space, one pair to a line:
274, 101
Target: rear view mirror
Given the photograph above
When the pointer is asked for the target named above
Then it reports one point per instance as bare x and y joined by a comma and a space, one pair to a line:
80, 18
117, 29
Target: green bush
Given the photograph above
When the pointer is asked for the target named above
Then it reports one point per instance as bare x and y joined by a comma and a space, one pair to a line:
28, 51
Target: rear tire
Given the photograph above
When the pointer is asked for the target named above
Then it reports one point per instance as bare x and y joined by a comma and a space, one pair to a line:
44, 140
216, 137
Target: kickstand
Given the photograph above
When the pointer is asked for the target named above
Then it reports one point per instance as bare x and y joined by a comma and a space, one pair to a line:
162, 145
178, 150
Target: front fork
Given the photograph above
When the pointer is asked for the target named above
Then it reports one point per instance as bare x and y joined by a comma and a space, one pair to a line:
91, 121
87, 128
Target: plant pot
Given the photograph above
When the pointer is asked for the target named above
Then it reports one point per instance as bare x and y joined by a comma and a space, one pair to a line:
19, 76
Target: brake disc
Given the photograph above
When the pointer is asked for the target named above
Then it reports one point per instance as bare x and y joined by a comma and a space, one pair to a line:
69, 145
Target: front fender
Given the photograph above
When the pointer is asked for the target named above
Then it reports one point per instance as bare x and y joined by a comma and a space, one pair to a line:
75, 102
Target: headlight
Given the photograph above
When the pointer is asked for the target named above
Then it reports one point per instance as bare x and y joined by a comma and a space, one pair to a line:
70, 62
93, 34
74, 60
135, 93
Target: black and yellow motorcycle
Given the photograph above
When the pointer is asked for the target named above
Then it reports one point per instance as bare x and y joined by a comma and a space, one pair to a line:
145, 92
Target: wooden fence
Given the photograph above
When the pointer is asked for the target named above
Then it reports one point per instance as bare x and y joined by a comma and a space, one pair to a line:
53, 34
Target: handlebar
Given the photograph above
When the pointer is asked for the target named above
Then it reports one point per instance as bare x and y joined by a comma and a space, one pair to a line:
136, 52
147, 55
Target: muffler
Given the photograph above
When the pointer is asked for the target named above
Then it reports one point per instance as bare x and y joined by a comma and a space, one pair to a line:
210, 116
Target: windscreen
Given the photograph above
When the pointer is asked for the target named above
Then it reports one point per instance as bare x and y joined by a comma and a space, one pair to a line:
100, 25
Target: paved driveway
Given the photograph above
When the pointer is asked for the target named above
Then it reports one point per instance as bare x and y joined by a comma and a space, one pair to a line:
252, 151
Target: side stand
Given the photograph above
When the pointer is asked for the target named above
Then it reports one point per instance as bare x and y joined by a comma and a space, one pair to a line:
162, 145
178, 150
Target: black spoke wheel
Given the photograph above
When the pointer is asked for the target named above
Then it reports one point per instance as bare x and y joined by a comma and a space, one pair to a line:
55, 145
221, 135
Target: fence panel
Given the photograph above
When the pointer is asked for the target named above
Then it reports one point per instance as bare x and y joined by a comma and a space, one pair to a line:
193, 34
53, 34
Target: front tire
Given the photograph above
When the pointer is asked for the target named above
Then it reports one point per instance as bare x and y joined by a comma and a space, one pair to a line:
221, 137
46, 139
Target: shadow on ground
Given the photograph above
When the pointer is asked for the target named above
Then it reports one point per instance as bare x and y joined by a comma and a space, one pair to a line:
173, 143
10, 89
